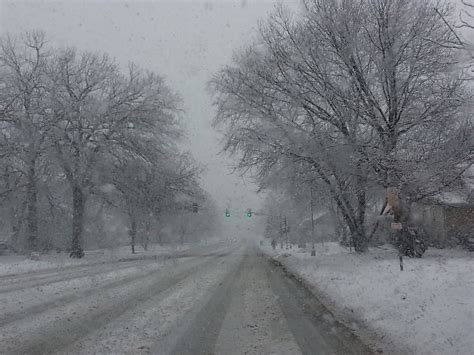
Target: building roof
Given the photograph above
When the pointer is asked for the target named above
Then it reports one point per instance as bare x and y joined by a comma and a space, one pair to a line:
457, 198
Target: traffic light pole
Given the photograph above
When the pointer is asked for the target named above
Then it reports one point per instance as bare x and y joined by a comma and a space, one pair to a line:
281, 231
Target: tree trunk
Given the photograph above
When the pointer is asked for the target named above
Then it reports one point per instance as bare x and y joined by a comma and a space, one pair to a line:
100, 227
133, 233
78, 207
361, 242
182, 236
15, 234
17, 218
32, 207
359, 238
160, 238
357, 230
147, 235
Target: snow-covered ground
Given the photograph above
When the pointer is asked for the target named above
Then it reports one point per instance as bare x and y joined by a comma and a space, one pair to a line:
426, 309
17, 264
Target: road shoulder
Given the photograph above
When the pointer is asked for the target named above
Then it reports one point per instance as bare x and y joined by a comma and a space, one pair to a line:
357, 327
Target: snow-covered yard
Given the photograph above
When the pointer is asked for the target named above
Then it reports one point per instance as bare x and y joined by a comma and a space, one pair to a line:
426, 309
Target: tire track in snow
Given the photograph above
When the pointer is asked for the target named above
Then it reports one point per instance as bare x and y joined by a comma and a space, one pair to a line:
87, 285
201, 334
20, 284
81, 316
10, 283
152, 326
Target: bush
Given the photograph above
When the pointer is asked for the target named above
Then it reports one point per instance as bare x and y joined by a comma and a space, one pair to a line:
411, 242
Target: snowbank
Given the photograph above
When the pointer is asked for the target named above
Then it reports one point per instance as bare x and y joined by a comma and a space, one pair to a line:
426, 309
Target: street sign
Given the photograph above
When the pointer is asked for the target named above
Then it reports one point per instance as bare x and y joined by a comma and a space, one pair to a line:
396, 226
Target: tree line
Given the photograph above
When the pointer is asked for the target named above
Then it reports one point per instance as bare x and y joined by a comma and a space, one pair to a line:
80, 135
350, 98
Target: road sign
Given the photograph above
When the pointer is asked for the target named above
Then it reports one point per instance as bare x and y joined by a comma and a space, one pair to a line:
396, 226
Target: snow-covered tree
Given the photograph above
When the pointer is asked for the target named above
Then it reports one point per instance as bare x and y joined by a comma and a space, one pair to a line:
24, 127
75, 130
363, 93
101, 115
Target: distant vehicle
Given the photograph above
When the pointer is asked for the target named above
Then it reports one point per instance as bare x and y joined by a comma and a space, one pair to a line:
4, 248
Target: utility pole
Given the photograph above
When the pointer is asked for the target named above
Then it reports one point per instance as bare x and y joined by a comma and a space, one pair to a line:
281, 233
313, 249
183, 229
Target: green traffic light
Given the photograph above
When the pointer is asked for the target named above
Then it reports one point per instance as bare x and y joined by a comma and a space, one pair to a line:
227, 214
249, 214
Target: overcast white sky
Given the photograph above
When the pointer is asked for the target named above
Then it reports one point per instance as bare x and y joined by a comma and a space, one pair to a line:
185, 41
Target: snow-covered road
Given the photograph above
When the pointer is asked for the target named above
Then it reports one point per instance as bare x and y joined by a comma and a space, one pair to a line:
228, 300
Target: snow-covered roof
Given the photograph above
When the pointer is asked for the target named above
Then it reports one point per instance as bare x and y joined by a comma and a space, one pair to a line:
316, 215
452, 198
462, 197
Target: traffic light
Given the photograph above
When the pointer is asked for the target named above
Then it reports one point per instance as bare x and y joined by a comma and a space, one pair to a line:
227, 213
195, 207
249, 212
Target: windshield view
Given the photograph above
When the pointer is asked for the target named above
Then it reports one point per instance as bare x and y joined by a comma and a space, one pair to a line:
236, 177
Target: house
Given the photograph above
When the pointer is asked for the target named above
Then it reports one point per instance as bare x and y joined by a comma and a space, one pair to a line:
448, 218
446, 224
324, 227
